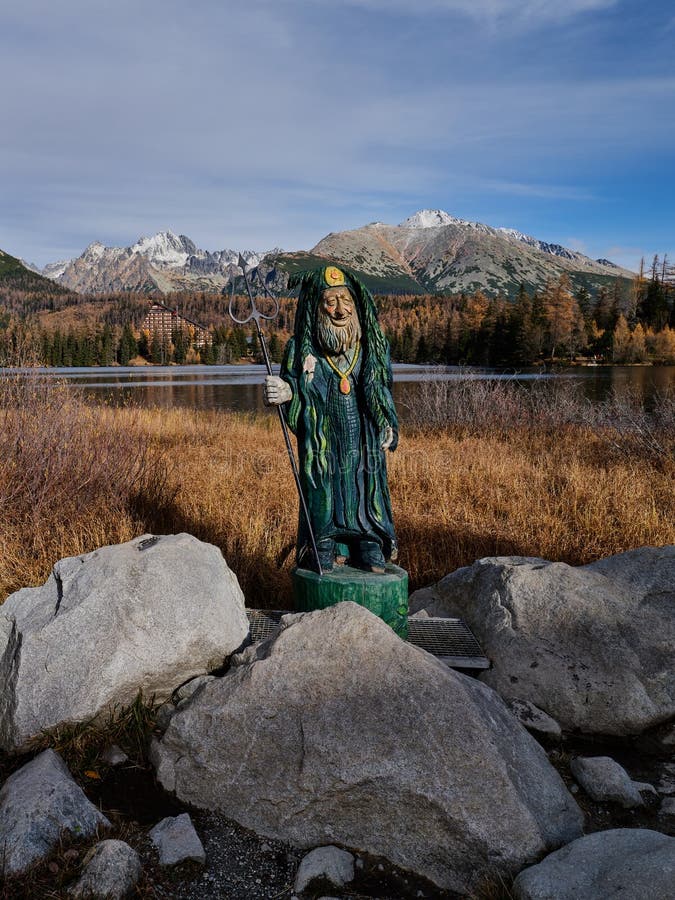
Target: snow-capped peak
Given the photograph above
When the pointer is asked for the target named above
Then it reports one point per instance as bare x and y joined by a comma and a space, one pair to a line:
94, 251
165, 249
430, 218
56, 269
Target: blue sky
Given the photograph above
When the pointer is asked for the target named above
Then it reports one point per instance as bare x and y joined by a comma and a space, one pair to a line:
272, 122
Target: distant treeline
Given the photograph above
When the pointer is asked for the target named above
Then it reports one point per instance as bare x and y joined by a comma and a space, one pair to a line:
634, 323
617, 324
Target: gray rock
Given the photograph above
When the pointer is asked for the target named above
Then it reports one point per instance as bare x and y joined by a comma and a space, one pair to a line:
667, 737
111, 871
624, 864
325, 867
337, 731
163, 715
666, 784
646, 789
177, 841
39, 803
114, 756
534, 719
605, 780
142, 616
185, 691
667, 811
591, 646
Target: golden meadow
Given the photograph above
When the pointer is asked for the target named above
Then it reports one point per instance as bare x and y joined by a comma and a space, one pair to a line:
483, 469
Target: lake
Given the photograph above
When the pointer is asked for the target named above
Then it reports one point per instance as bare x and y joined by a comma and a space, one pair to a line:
239, 387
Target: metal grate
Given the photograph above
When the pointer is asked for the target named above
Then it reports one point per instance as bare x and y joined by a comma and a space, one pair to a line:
450, 640
263, 623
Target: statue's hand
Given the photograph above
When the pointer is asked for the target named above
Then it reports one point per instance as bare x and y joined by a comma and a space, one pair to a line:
276, 391
387, 438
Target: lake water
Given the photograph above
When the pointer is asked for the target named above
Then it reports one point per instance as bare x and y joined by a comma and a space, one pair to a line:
239, 387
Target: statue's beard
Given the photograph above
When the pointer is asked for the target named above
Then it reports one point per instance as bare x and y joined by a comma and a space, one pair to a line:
336, 339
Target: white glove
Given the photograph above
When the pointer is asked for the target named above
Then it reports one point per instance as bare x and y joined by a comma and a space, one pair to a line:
276, 391
387, 438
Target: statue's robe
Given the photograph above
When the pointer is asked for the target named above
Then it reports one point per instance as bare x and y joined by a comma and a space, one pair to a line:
343, 469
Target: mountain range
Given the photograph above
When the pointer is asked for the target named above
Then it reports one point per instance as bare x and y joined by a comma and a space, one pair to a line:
430, 252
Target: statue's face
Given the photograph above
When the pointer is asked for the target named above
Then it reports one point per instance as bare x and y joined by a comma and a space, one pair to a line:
338, 304
337, 322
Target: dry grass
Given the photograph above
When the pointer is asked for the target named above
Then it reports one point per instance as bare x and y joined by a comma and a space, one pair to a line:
74, 477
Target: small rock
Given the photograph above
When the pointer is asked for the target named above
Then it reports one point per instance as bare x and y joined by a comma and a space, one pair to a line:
624, 864
666, 737
667, 779
534, 719
185, 691
667, 811
177, 841
38, 804
111, 871
645, 788
327, 866
163, 715
605, 780
115, 756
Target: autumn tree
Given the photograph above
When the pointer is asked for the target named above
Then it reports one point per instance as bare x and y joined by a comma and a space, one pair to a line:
562, 312
621, 340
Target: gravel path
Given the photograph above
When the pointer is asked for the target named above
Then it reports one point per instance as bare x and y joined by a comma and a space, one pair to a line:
239, 865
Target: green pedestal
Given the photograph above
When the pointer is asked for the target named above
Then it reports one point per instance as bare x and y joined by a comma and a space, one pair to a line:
384, 595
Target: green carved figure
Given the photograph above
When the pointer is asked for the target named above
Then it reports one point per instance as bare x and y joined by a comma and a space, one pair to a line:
335, 383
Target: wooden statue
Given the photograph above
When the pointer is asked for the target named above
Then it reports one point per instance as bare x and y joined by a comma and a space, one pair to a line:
336, 383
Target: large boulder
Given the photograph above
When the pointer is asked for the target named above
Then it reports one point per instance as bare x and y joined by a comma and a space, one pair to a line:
591, 645
337, 732
624, 864
144, 616
39, 804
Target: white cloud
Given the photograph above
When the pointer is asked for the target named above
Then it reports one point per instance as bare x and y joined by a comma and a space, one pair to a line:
512, 12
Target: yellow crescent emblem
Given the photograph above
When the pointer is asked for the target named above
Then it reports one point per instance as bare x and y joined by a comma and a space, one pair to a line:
333, 276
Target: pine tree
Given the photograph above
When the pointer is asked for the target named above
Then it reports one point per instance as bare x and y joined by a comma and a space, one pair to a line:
127, 347
274, 348
408, 345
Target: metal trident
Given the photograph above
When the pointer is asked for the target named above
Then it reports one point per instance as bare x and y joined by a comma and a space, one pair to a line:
256, 315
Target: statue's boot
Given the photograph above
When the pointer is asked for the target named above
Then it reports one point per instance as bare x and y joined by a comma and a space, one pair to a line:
372, 557
326, 549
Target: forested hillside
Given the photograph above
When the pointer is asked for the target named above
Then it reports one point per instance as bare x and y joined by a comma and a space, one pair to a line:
627, 322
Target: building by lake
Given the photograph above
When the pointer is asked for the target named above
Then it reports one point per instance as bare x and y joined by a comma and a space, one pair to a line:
161, 322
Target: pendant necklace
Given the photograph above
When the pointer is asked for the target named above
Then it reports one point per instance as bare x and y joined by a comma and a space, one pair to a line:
345, 386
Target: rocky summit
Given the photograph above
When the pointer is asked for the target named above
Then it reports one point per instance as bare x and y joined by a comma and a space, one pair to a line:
431, 251
338, 732
434, 252
159, 264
